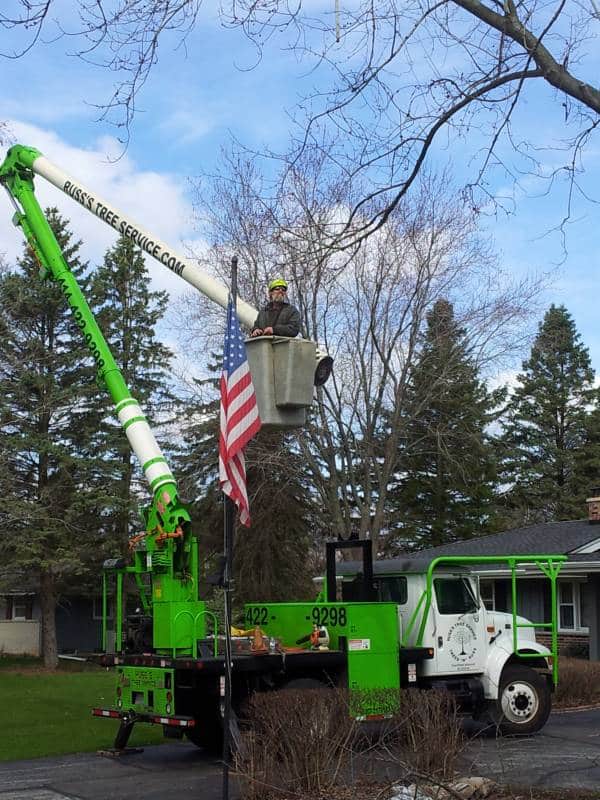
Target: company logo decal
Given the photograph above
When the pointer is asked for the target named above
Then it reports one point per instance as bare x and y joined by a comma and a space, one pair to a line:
462, 641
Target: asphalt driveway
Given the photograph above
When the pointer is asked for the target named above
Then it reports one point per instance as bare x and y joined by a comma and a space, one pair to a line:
566, 754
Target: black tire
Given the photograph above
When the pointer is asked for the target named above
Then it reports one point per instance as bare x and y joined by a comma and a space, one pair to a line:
207, 734
524, 701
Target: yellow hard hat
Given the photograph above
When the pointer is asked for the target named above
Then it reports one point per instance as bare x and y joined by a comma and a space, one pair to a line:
277, 282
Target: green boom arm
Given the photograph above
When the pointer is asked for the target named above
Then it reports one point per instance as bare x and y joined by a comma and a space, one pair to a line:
166, 518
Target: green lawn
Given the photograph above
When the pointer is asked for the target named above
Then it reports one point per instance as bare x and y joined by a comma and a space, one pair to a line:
49, 713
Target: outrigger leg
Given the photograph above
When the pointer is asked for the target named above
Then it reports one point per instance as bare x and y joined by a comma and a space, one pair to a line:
119, 747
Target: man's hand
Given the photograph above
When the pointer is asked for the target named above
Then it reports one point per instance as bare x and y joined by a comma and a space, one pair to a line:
257, 332
268, 332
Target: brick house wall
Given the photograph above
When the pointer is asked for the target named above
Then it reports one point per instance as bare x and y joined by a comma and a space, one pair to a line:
569, 644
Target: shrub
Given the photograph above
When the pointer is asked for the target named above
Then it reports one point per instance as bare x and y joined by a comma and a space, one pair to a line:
298, 739
305, 741
578, 683
426, 734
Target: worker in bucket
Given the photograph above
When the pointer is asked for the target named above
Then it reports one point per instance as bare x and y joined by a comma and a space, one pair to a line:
278, 317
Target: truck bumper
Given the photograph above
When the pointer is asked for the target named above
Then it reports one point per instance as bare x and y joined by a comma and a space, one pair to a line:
467, 691
131, 717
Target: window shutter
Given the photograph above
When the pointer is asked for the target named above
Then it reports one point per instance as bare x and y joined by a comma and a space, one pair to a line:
29, 609
8, 608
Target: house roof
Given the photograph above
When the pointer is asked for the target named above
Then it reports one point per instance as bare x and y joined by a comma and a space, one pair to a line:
546, 538
402, 564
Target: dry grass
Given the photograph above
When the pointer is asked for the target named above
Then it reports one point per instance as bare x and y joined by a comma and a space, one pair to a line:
578, 683
383, 791
526, 793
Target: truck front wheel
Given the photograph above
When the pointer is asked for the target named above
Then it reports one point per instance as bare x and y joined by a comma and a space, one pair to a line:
523, 703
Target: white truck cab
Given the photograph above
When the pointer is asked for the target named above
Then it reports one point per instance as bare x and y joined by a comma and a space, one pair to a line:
489, 660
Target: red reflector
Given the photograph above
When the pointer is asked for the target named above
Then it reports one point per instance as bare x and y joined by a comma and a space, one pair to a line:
375, 716
179, 723
104, 712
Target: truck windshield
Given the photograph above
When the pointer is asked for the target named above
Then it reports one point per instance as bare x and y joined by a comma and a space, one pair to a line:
454, 596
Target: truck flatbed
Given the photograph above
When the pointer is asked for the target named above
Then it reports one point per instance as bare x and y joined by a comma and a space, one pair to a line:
242, 662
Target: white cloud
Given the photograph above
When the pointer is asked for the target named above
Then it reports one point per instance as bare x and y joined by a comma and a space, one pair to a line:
154, 199
187, 126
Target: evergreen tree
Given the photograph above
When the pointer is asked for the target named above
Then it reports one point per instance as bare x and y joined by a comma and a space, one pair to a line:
587, 459
272, 557
128, 312
551, 437
446, 470
47, 389
197, 467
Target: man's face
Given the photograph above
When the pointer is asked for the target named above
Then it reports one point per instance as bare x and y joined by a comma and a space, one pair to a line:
277, 295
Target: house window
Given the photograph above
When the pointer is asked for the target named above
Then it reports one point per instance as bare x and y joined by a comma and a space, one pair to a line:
19, 608
569, 606
487, 591
97, 608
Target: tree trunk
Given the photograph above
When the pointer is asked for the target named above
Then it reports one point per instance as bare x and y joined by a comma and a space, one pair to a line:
48, 604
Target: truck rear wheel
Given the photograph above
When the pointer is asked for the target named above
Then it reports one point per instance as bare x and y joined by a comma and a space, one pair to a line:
523, 703
208, 733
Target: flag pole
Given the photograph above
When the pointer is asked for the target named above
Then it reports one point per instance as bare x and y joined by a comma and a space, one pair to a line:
229, 509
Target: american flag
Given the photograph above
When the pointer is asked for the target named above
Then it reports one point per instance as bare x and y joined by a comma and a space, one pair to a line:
239, 416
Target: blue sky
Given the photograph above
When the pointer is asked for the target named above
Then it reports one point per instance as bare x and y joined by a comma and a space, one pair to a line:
216, 86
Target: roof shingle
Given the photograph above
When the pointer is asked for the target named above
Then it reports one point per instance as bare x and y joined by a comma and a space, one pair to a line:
546, 538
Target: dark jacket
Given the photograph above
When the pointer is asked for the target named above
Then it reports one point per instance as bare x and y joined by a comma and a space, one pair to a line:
282, 317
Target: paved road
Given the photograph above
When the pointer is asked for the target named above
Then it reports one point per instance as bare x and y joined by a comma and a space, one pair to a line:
565, 754
159, 773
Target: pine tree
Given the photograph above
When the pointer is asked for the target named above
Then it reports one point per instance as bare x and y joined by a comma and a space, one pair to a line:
197, 466
446, 468
47, 387
128, 311
550, 436
272, 557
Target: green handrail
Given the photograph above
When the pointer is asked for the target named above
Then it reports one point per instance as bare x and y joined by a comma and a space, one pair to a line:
549, 565
194, 632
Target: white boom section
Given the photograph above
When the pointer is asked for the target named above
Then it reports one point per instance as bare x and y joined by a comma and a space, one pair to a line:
144, 239
143, 444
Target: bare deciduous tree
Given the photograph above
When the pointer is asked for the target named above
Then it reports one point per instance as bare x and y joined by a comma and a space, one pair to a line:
367, 306
410, 76
120, 35
406, 77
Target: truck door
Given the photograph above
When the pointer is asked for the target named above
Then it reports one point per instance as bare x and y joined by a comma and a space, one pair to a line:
459, 627
393, 589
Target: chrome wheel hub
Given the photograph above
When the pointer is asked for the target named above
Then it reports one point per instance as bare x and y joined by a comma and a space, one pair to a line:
519, 701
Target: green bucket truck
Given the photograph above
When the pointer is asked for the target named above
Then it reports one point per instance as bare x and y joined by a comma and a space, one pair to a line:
388, 625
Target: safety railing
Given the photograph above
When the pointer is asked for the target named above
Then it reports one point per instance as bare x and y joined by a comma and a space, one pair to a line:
548, 565
194, 630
